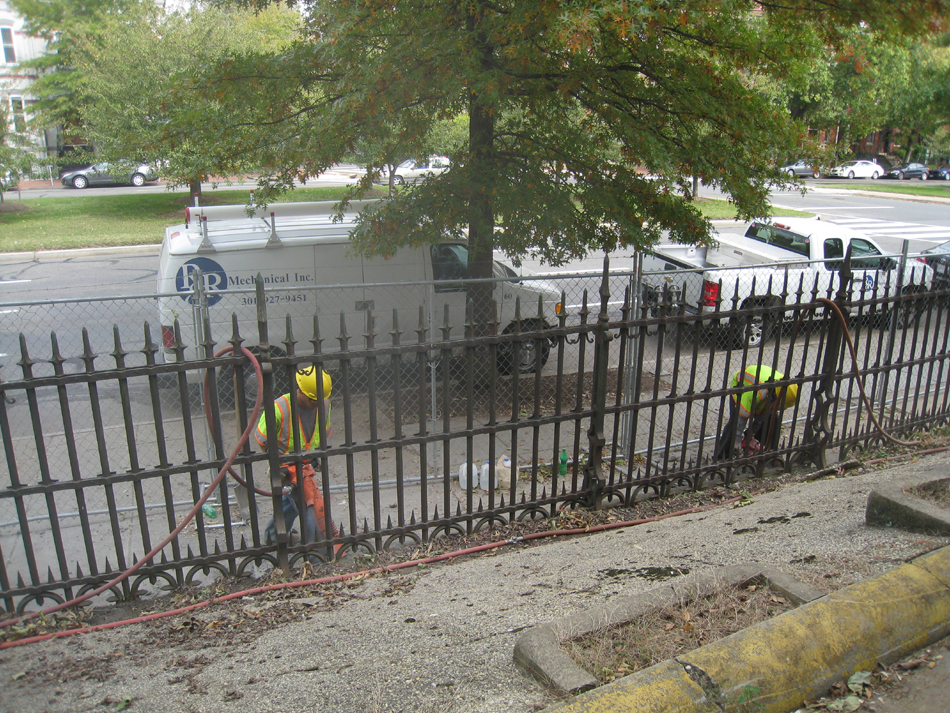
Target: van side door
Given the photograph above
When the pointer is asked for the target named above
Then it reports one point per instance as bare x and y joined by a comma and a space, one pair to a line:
395, 282
448, 263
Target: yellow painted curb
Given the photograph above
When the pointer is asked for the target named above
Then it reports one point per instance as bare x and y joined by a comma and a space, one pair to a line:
775, 666
663, 688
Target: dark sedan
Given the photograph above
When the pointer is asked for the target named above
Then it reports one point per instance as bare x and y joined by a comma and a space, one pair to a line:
105, 174
909, 170
941, 173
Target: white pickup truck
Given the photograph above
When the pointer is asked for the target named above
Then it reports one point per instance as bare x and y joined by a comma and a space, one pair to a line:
768, 265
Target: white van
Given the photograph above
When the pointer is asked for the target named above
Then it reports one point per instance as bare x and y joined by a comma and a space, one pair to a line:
308, 267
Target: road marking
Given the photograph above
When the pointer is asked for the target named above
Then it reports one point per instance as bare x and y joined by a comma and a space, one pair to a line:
895, 229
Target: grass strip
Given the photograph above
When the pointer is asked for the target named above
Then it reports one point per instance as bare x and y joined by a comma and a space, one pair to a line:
84, 221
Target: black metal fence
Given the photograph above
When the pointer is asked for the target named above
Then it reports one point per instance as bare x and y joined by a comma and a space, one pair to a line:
621, 395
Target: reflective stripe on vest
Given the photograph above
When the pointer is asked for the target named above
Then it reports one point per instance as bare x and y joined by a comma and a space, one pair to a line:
754, 401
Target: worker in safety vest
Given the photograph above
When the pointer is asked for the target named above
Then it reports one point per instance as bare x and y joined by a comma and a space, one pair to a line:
754, 414
306, 397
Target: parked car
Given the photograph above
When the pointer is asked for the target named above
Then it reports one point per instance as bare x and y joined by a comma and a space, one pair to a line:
105, 174
909, 170
802, 167
412, 171
857, 169
941, 173
9, 180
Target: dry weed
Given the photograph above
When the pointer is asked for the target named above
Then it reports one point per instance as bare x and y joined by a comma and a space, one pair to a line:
937, 492
673, 630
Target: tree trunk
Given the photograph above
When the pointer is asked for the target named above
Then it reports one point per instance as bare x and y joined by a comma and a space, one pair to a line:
910, 148
194, 187
481, 211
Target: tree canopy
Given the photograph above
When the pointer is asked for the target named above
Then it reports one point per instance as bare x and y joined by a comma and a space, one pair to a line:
67, 26
587, 120
133, 68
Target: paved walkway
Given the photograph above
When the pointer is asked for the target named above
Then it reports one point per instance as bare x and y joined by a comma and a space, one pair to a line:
441, 638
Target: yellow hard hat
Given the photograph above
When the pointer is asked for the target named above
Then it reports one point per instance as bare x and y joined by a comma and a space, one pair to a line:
307, 383
791, 395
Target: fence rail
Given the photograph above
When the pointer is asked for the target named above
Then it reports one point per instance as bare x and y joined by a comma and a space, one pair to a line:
113, 427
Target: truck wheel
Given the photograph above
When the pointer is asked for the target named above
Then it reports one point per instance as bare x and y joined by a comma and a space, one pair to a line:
528, 350
752, 330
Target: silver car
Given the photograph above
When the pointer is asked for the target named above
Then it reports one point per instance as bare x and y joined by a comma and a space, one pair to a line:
412, 171
105, 174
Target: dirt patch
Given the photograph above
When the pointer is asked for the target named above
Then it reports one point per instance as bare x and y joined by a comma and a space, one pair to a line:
937, 493
9, 206
239, 622
674, 630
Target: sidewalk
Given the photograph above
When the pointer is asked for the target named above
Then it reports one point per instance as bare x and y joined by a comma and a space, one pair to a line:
441, 638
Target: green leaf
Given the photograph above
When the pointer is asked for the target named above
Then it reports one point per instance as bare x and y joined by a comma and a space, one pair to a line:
124, 703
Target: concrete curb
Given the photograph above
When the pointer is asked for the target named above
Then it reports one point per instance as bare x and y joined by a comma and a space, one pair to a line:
80, 252
539, 653
775, 666
889, 506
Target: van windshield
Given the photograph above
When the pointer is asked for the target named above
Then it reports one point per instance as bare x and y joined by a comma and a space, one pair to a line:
779, 236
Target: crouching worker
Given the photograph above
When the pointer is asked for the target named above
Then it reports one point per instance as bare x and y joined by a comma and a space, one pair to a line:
755, 415
306, 396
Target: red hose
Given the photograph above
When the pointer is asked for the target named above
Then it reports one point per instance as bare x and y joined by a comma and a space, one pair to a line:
209, 417
350, 575
181, 526
857, 375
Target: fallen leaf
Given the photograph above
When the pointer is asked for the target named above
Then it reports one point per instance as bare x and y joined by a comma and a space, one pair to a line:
845, 705
859, 680
669, 626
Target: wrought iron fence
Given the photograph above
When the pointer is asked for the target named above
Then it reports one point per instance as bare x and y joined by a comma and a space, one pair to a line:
113, 430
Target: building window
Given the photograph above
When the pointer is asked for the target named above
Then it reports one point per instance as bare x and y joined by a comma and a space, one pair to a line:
9, 54
19, 118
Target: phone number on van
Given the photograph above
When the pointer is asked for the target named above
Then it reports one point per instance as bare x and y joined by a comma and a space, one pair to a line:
275, 299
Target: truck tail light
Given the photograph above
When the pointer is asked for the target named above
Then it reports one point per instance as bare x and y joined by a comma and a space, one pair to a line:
168, 337
710, 293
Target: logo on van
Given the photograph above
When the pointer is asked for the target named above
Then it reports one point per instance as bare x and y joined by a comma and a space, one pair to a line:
212, 275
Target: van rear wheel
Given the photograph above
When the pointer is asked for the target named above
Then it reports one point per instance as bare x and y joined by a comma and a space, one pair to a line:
528, 351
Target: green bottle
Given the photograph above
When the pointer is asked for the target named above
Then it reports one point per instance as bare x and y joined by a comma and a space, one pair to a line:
562, 468
209, 511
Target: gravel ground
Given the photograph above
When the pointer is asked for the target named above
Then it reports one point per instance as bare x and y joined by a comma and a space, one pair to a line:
440, 638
